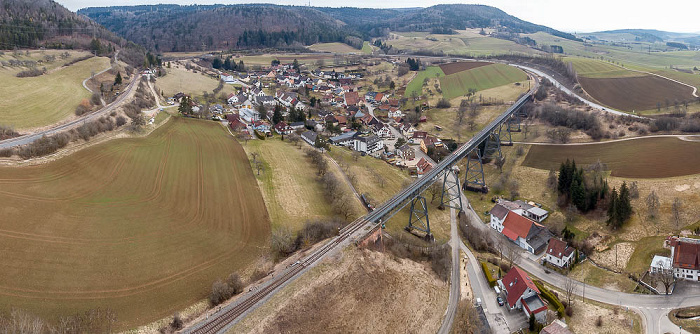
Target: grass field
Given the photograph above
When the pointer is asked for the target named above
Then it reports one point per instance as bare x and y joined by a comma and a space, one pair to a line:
181, 80
452, 68
141, 226
367, 48
39, 101
289, 184
635, 93
480, 78
416, 85
641, 158
465, 42
643, 253
595, 68
333, 47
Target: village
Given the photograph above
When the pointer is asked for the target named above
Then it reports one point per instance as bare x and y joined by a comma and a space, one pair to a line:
325, 108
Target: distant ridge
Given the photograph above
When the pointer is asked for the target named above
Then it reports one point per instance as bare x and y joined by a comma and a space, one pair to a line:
199, 27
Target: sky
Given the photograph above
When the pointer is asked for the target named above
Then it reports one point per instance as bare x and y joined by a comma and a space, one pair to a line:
565, 15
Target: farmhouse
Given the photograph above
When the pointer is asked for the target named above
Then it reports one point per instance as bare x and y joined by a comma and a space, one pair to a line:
685, 254
381, 130
521, 293
559, 253
525, 209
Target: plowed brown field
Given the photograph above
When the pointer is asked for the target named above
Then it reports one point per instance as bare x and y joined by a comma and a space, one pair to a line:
635, 93
452, 68
140, 226
640, 158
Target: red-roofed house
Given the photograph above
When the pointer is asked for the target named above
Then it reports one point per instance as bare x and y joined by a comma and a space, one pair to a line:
521, 293
283, 128
525, 233
559, 253
423, 166
685, 254
351, 98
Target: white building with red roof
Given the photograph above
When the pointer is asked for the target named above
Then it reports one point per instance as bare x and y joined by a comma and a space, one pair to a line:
685, 256
559, 253
521, 293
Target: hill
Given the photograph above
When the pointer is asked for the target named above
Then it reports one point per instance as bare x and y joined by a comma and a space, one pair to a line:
45, 23
197, 27
645, 35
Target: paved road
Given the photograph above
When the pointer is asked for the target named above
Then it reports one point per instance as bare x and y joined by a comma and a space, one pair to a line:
681, 137
29, 138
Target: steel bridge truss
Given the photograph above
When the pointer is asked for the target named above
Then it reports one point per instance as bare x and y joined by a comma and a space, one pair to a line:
450, 186
418, 219
475, 170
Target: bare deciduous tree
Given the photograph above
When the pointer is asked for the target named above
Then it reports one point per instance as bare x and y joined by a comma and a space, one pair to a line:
652, 202
434, 190
500, 161
569, 287
677, 211
513, 253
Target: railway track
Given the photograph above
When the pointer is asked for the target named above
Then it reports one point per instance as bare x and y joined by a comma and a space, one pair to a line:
226, 316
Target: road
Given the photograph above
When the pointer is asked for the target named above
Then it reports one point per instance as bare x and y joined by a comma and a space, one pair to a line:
29, 138
681, 137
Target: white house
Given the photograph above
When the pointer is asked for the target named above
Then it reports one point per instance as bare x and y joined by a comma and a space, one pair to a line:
660, 264
381, 130
393, 113
559, 253
524, 232
367, 143
685, 254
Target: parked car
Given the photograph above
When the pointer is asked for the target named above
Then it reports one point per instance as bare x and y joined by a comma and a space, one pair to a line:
500, 301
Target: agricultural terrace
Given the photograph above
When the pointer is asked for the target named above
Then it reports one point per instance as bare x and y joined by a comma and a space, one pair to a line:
639, 158
142, 226
480, 78
33, 102
636, 93
178, 79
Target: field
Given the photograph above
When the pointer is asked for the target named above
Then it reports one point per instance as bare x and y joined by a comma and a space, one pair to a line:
416, 85
635, 93
333, 47
179, 79
480, 78
40, 101
287, 178
452, 68
357, 291
367, 48
142, 226
465, 42
640, 158
594, 68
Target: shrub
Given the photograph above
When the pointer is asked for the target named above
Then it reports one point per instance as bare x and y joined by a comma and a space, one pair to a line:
599, 321
177, 322
121, 121
443, 103
34, 72
259, 135
96, 99
220, 292
7, 152
487, 273
551, 298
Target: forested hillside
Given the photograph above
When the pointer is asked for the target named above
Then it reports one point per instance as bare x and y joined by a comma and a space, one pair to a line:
45, 23
195, 27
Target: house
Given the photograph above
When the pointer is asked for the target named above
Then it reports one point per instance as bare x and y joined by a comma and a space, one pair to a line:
660, 264
525, 233
417, 137
297, 125
249, 115
234, 122
685, 256
266, 100
262, 127
556, 327
429, 142
283, 128
351, 98
521, 293
381, 130
367, 143
407, 129
526, 210
498, 216
406, 152
559, 253
346, 139
379, 98
394, 112
309, 137
423, 166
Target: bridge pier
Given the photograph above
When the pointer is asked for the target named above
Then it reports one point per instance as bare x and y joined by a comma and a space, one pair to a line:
418, 220
450, 181
504, 135
493, 144
474, 175
514, 123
